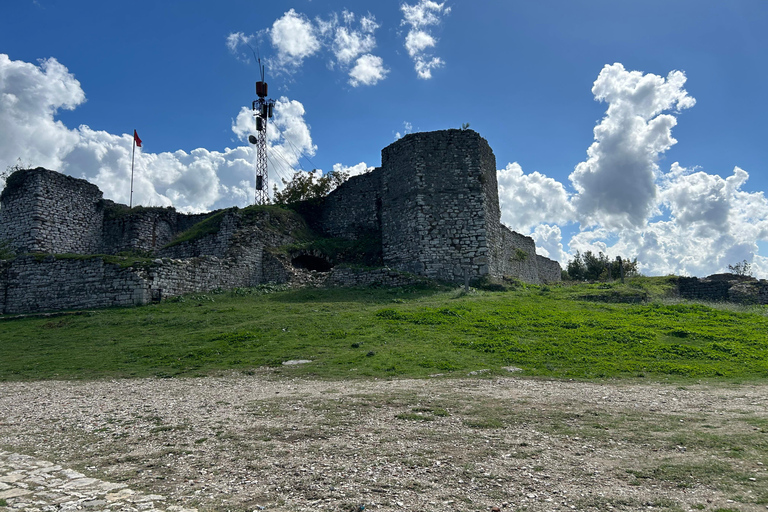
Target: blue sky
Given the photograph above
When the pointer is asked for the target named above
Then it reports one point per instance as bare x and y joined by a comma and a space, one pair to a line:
347, 74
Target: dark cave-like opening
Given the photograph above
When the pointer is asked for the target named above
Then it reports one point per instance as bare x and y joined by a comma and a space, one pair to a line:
310, 262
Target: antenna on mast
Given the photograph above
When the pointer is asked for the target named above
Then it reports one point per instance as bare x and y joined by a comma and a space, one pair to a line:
262, 111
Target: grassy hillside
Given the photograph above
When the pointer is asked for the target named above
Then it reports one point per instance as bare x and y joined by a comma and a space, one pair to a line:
581, 331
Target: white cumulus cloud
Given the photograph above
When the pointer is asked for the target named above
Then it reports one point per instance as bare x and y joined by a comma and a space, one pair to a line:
369, 70
353, 170
294, 37
349, 43
684, 221
421, 17
199, 180
527, 200
237, 39
616, 185
347, 40
30, 97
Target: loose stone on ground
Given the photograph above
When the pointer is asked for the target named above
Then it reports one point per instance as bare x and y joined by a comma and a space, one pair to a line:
262, 441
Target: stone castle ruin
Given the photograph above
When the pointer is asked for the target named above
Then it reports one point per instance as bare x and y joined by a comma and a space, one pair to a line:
431, 211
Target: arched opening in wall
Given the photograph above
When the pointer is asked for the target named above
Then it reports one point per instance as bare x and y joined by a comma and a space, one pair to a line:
311, 262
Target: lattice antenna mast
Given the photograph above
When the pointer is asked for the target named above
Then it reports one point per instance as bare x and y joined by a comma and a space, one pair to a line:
262, 111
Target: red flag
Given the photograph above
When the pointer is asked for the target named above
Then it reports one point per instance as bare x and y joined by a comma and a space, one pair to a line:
136, 138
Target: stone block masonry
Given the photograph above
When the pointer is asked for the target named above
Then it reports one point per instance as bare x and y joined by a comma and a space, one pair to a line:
433, 205
142, 229
724, 288
35, 284
91, 282
43, 211
435, 202
47, 212
434, 220
357, 210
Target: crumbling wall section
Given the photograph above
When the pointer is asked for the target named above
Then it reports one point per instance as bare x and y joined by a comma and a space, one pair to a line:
213, 244
49, 212
143, 229
724, 287
274, 268
515, 255
138, 230
550, 271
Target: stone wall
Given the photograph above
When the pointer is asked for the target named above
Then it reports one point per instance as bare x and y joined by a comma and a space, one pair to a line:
724, 288
213, 244
48, 212
25, 282
79, 283
515, 255
549, 270
434, 203
437, 209
356, 210
274, 269
4, 268
44, 211
433, 219
176, 277
138, 230
349, 276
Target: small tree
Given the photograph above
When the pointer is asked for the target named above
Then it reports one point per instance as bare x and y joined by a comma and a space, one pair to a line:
741, 269
18, 166
576, 268
304, 186
597, 267
596, 264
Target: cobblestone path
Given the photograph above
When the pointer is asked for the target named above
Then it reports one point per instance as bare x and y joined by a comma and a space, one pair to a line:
29, 484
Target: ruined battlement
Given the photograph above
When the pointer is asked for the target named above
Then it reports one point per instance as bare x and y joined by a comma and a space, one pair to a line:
49, 212
433, 204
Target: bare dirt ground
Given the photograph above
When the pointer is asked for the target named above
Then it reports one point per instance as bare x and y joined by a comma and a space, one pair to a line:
255, 442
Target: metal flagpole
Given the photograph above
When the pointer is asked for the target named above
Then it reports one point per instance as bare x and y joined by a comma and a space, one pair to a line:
130, 204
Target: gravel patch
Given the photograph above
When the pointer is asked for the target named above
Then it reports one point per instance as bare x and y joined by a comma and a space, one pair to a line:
256, 442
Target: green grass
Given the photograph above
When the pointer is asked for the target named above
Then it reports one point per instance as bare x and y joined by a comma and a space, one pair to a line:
349, 333
205, 227
280, 220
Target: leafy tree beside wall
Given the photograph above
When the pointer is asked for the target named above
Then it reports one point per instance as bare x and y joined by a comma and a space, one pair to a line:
598, 267
305, 185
